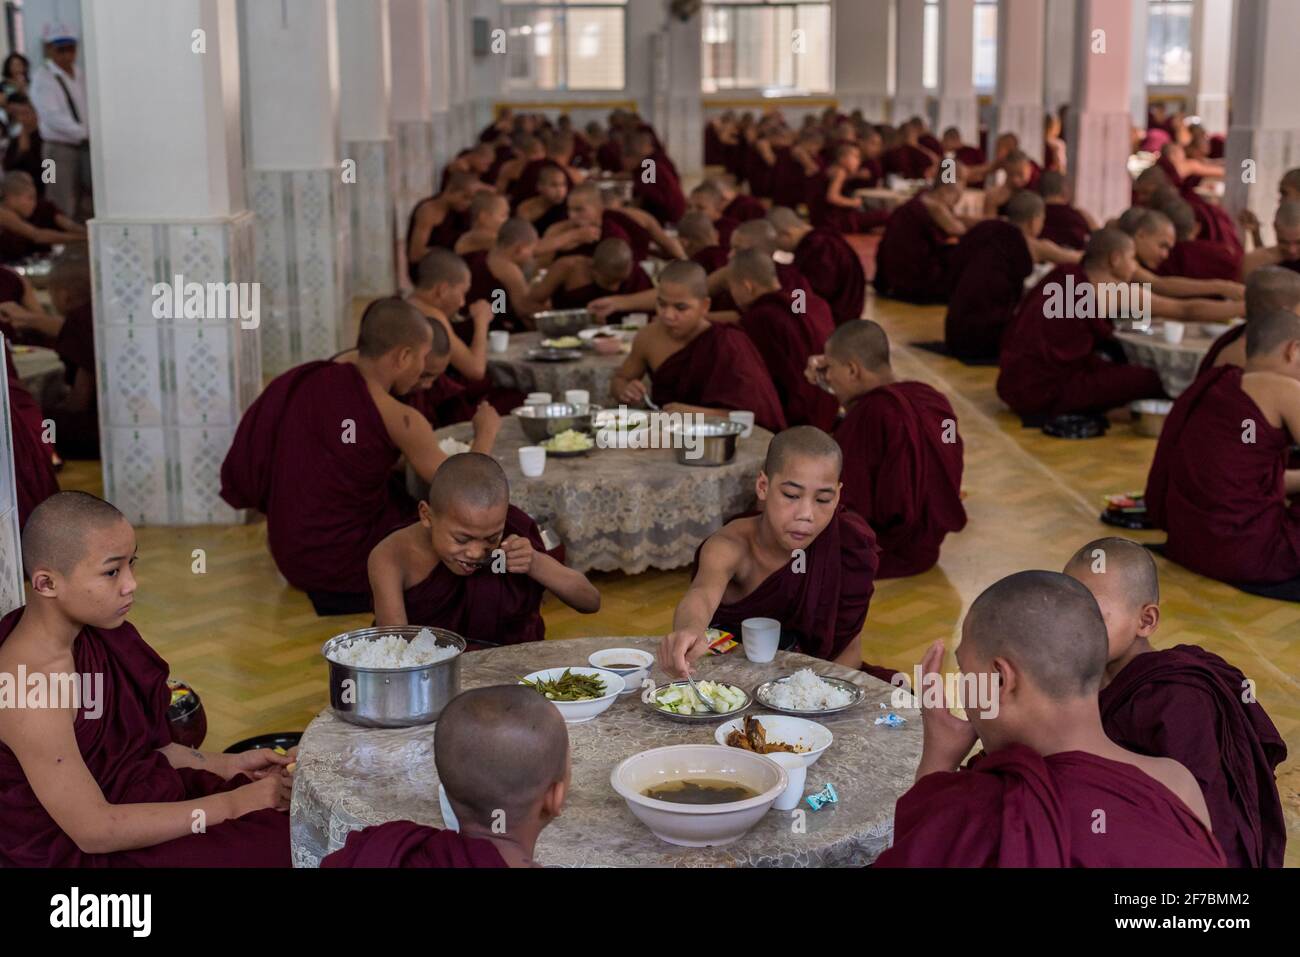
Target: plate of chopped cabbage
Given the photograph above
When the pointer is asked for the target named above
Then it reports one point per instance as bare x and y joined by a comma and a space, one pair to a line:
678, 700
563, 342
569, 443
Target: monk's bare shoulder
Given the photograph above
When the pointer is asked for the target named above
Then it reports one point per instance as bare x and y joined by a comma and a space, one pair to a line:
1178, 779
729, 545
1274, 393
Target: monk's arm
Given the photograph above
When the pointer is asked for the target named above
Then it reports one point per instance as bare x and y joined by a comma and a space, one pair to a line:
426, 217
548, 285
70, 226
33, 317
851, 656
945, 218
16, 224
1046, 251
1257, 259
471, 360
567, 584
1194, 310
474, 241
835, 195
632, 302
669, 244
720, 556
626, 384
1180, 287
810, 167
412, 433
384, 568
520, 296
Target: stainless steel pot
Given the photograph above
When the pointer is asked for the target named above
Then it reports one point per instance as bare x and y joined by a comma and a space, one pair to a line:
540, 422
393, 697
557, 323
711, 442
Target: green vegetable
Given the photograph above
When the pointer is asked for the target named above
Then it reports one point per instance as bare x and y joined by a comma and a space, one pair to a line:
569, 687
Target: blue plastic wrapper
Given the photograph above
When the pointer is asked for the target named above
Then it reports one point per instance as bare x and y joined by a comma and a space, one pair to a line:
826, 795
891, 720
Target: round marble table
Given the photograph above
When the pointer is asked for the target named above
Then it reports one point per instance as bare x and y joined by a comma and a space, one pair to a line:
1176, 363
593, 372
626, 509
350, 777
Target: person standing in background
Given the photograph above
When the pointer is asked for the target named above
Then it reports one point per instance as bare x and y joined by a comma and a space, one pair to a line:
58, 92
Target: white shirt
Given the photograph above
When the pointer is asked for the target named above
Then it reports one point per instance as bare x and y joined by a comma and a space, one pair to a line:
57, 124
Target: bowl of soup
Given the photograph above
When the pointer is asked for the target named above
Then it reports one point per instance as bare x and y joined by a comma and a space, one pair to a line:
699, 795
631, 664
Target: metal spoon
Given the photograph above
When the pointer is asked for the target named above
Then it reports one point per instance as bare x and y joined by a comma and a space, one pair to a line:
708, 702
650, 404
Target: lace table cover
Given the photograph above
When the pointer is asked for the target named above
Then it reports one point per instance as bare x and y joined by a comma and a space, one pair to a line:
350, 777
627, 509
593, 372
1176, 364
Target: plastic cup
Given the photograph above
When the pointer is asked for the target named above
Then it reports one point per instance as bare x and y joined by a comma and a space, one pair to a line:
1174, 332
798, 773
498, 340
744, 418
538, 398
532, 461
577, 397
760, 636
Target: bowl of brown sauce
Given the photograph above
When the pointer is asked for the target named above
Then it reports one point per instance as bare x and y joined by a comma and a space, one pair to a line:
631, 664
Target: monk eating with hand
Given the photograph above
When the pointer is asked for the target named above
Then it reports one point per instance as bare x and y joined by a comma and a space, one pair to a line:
95, 780
445, 570
912, 259
804, 560
825, 258
903, 455
549, 205
502, 755
1050, 789
1268, 289
1219, 483
1193, 257
1185, 703
499, 276
1285, 252
695, 365
574, 281
440, 220
1154, 238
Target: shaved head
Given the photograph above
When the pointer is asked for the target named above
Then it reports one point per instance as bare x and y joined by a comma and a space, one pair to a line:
801, 440
516, 232
1051, 184
612, 259
389, 324
1150, 221
588, 191
1151, 179
861, 341
499, 749
486, 202
784, 218
1288, 215
1129, 219
16, 183
689, 275
462, 182
1130, 564
1024, 207
755, 234
1268, 332
707, 191
56, 530
1103, 244
1046, 624
1272, 289
755, 266
1180, 213
441, 340
1290, 182
471, 479
440, 266
696, 227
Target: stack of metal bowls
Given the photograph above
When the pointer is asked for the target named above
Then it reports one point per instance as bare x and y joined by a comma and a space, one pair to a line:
558, 323
393, 697
541, 422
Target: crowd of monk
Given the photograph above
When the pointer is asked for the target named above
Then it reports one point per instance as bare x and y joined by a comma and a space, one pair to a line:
862, 480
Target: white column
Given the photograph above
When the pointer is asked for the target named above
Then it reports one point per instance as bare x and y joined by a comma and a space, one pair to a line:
1060, 45
1212, 62
864, 37
445, 144
910, 95
1264, 139
295, 178
678, 65
957, 104
477, 78
11, 555
166, 149
1099, 116
365, 86
412, 104
1021, 31
1139, 16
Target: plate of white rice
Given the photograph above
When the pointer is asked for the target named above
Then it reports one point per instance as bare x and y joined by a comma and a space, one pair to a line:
392, 651
805, 692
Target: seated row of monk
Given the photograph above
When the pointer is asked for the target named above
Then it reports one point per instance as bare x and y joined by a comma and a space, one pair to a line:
1285, 251
1059, 355
708, 199
587, 210
1191, 256
572, 282
1154, 238
912, 260
989, 269
1065, 224
1154, 183
28, 224
440, 220
1268, 289
1288, 188
700, 242
823, 257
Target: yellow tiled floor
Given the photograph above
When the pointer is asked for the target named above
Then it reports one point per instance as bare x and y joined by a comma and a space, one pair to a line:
250, 644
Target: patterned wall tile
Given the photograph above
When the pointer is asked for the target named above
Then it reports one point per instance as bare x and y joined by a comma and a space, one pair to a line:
200, 453
131, 391
136, 471
370, 207
205, 370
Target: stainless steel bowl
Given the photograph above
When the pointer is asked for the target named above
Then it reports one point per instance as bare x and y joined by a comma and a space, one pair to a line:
1149, 416
393, 697
555, 323
711, 442
540, 422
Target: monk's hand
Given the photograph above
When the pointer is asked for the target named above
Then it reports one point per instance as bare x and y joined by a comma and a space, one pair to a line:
679, 650
813, 369
602, 307
257, 763
632, 393
481, 313
519, 555
274, 791
487, 420
1230, 290
1248, 220
946, 738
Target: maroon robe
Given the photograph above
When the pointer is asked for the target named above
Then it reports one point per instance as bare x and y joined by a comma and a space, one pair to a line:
1065, 226
34, 476
483, 284
1054, 366
786, 340
454, 225
712, 258
1223, 500
1219, 344
578, 298
1202, 259
1016, 808
636, 235
663, 199
440, 402
930, 142
791, 184
989, 269
406, 844
761, 175
789, 274
609, 156
15, 247
834, 271
912, 258
725, 226
1186, 703
1216, 225
485, 608
900, 475
841, 219
327, 502
719, 369
715, 150
907, 161
78, 432
968, 155
822, 608
525, 186
121, 750
744, 208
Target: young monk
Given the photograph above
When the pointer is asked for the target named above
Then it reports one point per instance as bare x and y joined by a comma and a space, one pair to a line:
528, 149
1193, 257
315, 453
99, 783
707, 199
739, 206
502, 755
29, 224
476, 161
902, 453
1186, 704
966, 155
655, 185
440, 220
788, 326
574, 281
695, 365
587, 211
1019, 173
1059, 355
1268, 289
699, 241
831, 208
1285, 252
907, 158
1219, 483
1050, 789
549, 205
498, 276
804, 560
1064, 224
1154, 237
442, 571
488, 212
912, 259
829, 263
988, 272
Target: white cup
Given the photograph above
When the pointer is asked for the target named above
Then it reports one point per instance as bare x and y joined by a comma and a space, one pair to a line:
449, 822
577, 396
498, 340
744, 418
760, 636
798, 773
532, 461
1174, 332
636, 320
538, 398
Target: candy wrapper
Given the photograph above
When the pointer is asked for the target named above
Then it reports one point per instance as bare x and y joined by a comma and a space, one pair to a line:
826, 795
720, 642
891, 720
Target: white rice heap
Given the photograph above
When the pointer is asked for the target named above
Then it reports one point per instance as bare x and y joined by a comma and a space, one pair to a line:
804, 691
393, 651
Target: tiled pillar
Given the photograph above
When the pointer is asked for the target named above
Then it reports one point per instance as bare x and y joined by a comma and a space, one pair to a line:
1098, 137
11, 556
170, 201
957, 104
412, 106
1212, 62
1021, 25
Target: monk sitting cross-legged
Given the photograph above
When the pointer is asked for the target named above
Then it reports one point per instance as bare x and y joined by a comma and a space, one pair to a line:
502, 755
1050, 788
95, 780
1269, 289
444, 570
696, 365
832, 268
912, 259
902, 453
1185, 703
804, 560
1219, 483
831, 209
1064, 224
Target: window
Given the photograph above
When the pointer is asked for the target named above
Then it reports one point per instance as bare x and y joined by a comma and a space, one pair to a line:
986, 45
1169, 43
779, 48
564, 45
930, 46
